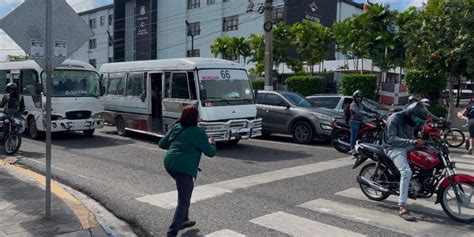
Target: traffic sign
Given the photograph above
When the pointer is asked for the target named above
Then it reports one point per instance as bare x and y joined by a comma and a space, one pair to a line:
26, 25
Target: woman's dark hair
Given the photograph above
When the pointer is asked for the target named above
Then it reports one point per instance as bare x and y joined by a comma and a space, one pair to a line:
189, 117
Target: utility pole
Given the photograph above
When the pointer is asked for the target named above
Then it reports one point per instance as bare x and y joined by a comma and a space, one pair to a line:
49, 70
268, 44
192, 38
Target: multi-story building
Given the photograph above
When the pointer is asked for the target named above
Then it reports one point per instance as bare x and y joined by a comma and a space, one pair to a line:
99, 49
151, 29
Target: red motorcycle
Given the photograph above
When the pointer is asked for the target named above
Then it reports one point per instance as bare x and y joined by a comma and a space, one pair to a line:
370, 132
433, 172
441, 131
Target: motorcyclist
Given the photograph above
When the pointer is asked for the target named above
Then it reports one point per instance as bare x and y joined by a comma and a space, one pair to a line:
398, 139
468, 114
358, 112
426, 103
411, 99
12, 102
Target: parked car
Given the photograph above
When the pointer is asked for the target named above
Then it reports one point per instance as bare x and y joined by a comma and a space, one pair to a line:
336, 103
289, 113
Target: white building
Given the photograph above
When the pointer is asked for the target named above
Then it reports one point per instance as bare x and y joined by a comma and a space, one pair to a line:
99, 49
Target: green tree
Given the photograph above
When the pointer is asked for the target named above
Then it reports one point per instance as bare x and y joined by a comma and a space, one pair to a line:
311, 41
239, 46
221, 46
257, 46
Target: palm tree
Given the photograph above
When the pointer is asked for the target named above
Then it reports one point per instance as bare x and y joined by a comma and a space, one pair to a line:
241, 47
220, 46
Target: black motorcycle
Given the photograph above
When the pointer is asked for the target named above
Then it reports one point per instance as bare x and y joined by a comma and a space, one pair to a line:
11, 128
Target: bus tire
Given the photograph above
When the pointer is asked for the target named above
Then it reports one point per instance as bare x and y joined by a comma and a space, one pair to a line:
89, 133
33, 129
121, 126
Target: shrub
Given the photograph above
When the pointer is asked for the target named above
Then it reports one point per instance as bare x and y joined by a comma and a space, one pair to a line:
425, 84
438, 111
304, 85
367, 83
258, 84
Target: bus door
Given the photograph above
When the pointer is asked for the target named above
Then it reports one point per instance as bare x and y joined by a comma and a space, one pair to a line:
155, 80
179, 90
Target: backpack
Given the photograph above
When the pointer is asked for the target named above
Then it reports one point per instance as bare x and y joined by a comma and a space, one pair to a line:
347, 113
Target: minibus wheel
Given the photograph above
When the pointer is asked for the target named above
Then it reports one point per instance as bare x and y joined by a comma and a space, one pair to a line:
121, 125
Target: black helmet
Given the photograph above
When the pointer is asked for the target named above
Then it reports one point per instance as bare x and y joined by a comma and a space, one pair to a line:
12, 86
357, 93
417, 112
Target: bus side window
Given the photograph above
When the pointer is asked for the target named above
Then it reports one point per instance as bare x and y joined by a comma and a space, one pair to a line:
179, 86
192, 86
4, 79
116, 84
28, 82
134, 84
167, 86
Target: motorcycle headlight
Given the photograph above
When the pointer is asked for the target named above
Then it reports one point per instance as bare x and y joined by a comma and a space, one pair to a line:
98, 115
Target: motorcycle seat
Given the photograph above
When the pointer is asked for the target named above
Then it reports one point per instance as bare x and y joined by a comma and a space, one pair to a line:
374, 148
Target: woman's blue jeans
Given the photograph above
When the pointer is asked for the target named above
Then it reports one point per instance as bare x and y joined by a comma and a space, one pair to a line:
355, 126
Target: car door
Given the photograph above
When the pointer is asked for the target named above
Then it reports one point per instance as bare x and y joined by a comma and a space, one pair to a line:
279, 112
262, 110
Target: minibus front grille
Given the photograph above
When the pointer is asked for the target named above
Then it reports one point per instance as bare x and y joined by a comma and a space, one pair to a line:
80, 114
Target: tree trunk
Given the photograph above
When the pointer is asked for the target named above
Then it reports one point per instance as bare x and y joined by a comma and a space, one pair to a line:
458, 98
451, 79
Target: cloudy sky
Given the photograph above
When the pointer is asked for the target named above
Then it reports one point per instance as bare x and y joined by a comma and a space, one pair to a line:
7, 46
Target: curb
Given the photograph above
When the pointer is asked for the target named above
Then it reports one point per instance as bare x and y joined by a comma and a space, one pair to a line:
85, 216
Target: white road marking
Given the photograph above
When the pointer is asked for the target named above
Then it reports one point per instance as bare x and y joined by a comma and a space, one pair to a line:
385, 219
419, 205
225, 233
169, 200
465, 160
465, 167
468, 156
294, 144
298, 226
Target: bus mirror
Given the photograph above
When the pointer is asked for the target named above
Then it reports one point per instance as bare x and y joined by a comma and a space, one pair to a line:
39, 88
203, 94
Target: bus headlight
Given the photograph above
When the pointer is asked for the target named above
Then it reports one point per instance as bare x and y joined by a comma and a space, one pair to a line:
98, 115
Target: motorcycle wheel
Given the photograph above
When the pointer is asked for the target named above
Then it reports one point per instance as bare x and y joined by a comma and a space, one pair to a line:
454, 137
343, 136
368, 172
12, 144
461, 212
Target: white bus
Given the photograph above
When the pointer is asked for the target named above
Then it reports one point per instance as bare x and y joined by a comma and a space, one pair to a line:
148, 96
76, 102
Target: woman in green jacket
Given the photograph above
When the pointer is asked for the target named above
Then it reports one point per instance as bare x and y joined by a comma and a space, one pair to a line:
185, 142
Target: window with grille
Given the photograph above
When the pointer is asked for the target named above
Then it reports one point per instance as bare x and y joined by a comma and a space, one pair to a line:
193, 53
111, 19
231, 57
102, 21
209, 2
194, 28
231, 23
92, 43
92, 23
194, 4
278, 14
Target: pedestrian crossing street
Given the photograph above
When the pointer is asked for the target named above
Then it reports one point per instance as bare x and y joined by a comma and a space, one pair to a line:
432, 221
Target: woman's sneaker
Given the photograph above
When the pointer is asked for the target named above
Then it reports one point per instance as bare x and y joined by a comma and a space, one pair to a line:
187, 224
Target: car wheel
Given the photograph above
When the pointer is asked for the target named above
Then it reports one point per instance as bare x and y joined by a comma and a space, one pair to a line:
33, 129
302, 132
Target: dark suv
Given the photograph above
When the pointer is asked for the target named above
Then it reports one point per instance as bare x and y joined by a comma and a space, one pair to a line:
289, 113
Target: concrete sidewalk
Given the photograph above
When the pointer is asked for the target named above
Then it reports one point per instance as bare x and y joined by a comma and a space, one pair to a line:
22, 208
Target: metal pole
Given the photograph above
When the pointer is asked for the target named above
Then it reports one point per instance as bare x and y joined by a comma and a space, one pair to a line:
268, 46
49, 69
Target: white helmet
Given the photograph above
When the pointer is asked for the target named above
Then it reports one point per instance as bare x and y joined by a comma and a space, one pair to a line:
426, 102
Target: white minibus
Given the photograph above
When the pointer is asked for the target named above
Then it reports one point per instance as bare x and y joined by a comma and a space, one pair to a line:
148, 96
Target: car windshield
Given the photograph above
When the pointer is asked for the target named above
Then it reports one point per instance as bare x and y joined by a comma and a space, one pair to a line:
297, 100
74, 83
225, 85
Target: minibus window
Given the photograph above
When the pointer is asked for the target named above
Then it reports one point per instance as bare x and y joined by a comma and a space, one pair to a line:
179, 87
167, 85
115, 84
134, 84
4, 78
192, 85
28, 79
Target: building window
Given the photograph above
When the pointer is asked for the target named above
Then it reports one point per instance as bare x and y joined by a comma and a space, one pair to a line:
278, 14
93, 62
102, 21
111, 19
194, 28
231, 23
209, 2
92, 43
110, 59
193, 53
92, 23
231, 57
194, 4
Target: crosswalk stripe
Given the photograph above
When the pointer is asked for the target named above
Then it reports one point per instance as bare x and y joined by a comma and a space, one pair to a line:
468, 156
418, 205
298, 226
225, 233
465, 167
465, 161
168, 200
387, 220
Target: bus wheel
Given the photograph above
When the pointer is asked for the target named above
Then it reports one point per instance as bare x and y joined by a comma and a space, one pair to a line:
89, 133
121, 125
33, 129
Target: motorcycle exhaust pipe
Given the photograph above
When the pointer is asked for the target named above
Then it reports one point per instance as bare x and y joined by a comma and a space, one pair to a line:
343, 142
372, 184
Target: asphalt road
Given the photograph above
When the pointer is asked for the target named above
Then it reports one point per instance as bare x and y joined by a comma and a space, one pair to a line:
267, 181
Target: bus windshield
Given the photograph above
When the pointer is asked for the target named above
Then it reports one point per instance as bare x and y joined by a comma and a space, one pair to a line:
74, 83
223, 84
